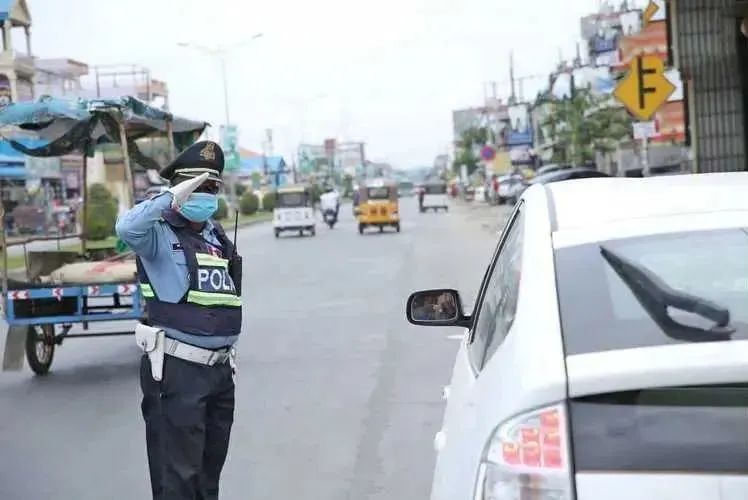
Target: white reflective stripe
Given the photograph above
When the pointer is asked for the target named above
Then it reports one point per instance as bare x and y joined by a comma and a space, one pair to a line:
200, 170
195, 354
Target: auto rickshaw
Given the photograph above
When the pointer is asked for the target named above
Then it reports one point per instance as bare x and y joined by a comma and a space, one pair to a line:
378, 205
293, 210
434, 196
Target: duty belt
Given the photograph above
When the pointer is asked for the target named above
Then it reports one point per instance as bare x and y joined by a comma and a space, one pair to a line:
196, 354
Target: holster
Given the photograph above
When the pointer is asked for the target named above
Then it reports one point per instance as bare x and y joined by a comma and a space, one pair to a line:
152, 341
235, 271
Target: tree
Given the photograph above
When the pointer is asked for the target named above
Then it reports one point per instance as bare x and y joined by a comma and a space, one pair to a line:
268, 201
347, 185
585, 124
101, 213
466, 145
249, 203
223, 209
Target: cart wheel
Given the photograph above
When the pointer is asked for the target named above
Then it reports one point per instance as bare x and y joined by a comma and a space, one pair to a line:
360, 229
301, 232
277, 233
40, 348
381, 229
397, 227
313, 232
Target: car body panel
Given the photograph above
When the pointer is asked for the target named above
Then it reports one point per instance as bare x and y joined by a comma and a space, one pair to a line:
706, 363
645, 486
533, 350
529, 369
293, 218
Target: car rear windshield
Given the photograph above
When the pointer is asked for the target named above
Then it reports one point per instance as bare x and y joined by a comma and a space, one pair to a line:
601, 312
685, 429
438, 189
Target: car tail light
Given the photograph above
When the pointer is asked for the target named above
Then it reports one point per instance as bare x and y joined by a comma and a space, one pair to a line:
527, 457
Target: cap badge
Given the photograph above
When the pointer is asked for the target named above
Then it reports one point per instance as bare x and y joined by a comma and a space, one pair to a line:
208, 153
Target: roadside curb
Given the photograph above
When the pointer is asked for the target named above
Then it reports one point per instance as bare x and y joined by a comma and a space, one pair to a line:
247, 223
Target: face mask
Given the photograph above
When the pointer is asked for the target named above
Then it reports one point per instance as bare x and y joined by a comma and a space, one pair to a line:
199, 207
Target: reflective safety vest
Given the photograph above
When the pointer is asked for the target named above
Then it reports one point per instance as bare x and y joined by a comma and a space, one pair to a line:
211, 305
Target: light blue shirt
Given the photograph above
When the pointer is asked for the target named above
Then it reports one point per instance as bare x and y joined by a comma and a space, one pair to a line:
153, 240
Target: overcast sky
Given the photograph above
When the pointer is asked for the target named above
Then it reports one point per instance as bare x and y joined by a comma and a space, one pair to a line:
386, 72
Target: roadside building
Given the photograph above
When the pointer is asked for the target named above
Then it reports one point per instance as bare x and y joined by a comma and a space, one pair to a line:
710, 48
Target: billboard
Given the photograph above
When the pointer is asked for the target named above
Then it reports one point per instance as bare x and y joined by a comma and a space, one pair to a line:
519, 131
311, 157
349, 157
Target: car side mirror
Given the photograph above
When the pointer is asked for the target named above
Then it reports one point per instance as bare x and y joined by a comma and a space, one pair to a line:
440, 307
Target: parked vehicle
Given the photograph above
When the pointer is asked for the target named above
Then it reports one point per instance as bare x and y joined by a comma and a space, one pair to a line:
553, 167
559, 175
469, 193
293, 211
617, 361
507, 183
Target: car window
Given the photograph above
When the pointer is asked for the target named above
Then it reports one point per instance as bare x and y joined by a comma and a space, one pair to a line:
500, 292
587, 174
593, 297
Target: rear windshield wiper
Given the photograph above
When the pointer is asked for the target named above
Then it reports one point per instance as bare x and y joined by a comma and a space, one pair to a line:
656, 296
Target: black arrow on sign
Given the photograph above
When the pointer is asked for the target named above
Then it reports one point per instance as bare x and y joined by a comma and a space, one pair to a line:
643, 89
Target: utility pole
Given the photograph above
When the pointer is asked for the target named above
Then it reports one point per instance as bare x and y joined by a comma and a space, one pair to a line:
222, 53
513, 98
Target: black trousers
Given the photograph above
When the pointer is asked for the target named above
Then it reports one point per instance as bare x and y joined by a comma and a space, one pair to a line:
188, 417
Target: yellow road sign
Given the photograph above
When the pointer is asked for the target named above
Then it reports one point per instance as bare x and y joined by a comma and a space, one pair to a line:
645, 88
650, 11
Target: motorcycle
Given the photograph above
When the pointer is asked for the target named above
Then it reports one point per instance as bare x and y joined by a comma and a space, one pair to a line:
330, 217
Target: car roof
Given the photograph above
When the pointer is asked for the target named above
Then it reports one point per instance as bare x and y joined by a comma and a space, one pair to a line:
565, 172
580, 203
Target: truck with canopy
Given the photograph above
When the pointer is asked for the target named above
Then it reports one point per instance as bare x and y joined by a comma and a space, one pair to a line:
63, 289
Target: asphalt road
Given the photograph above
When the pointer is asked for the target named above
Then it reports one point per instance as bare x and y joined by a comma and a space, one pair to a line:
338, 397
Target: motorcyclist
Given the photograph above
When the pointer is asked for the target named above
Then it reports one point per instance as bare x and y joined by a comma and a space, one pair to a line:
329, 200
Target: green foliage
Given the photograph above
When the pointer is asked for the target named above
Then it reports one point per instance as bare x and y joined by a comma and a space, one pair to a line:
470, 140
101, 213
347, 185
316, 190
249, 203
223, 209
268, 201
240, 189
585, 124
256, 178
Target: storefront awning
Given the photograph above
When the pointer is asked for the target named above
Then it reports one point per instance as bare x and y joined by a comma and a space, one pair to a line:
12, 171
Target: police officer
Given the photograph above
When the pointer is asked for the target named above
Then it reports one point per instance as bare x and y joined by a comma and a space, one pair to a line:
190, 277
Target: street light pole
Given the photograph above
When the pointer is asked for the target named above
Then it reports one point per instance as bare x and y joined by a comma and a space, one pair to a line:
222, 53
227, 122
224, 77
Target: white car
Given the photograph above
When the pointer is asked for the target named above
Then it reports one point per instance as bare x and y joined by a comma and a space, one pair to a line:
607, 355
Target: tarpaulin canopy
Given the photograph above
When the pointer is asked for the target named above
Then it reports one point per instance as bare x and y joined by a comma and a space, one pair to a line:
70, 126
